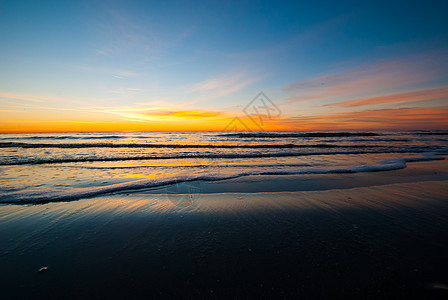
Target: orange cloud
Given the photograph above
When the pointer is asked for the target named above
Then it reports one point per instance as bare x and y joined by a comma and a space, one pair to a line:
390, 119
55, 121
188, 114
412, 96
160, 114
386, 77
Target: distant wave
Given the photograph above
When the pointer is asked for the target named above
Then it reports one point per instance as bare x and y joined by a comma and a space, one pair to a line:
293, 135
198, 165
24, 197
115, 136
371, 140
432, 133
200, 156
67, 137
140, 145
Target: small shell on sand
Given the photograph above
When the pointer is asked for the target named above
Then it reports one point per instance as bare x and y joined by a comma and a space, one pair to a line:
43, 269
439, 286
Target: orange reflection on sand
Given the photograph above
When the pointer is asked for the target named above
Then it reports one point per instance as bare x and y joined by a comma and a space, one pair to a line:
141, 175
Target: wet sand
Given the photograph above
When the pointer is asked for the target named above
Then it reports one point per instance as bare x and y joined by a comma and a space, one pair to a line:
359, 236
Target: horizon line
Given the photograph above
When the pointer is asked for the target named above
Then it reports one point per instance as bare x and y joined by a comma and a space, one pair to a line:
185, 131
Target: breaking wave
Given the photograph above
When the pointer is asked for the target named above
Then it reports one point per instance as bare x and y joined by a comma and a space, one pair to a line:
197, 156
296, 135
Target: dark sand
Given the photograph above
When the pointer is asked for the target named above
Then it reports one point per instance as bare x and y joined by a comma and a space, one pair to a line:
360, 236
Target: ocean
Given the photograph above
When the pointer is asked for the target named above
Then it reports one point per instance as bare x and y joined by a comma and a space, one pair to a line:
39, 168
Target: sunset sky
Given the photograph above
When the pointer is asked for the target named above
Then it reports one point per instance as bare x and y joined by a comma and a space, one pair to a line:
185, 65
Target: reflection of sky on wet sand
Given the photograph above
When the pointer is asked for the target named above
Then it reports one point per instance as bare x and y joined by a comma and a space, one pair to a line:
132, 234
383, 197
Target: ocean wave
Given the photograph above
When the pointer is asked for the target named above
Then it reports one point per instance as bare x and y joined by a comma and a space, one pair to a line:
139, 145
24, 197
66, 137
295, 135
197, 155
200, 156
431, 133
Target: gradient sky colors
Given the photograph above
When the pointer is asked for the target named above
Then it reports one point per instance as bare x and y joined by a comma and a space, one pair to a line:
184, 65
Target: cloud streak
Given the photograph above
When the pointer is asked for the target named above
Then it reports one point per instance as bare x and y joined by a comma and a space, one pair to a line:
388, 119
412, 96
161, 114
387, 77
36, 98
218, 87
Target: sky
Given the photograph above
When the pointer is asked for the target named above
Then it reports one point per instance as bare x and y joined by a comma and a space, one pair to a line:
81, 66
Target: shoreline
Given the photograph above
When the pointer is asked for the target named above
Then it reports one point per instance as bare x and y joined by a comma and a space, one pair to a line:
421, 169
414, 172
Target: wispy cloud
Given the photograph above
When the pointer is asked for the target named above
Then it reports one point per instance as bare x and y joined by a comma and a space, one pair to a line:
326, 80
114, 72
400, 118
412, 96
217, 87
156, 103
11, 111
53, 121
123, 33
186, 114
386, 77
125, 91
36, 98
159, 114
218, 83
24, 97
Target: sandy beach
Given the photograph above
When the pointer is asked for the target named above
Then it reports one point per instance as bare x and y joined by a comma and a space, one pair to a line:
360, 236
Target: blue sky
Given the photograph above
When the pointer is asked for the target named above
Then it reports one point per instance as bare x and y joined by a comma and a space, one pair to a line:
124, 61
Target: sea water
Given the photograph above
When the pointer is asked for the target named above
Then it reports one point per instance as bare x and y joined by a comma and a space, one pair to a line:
49, 167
